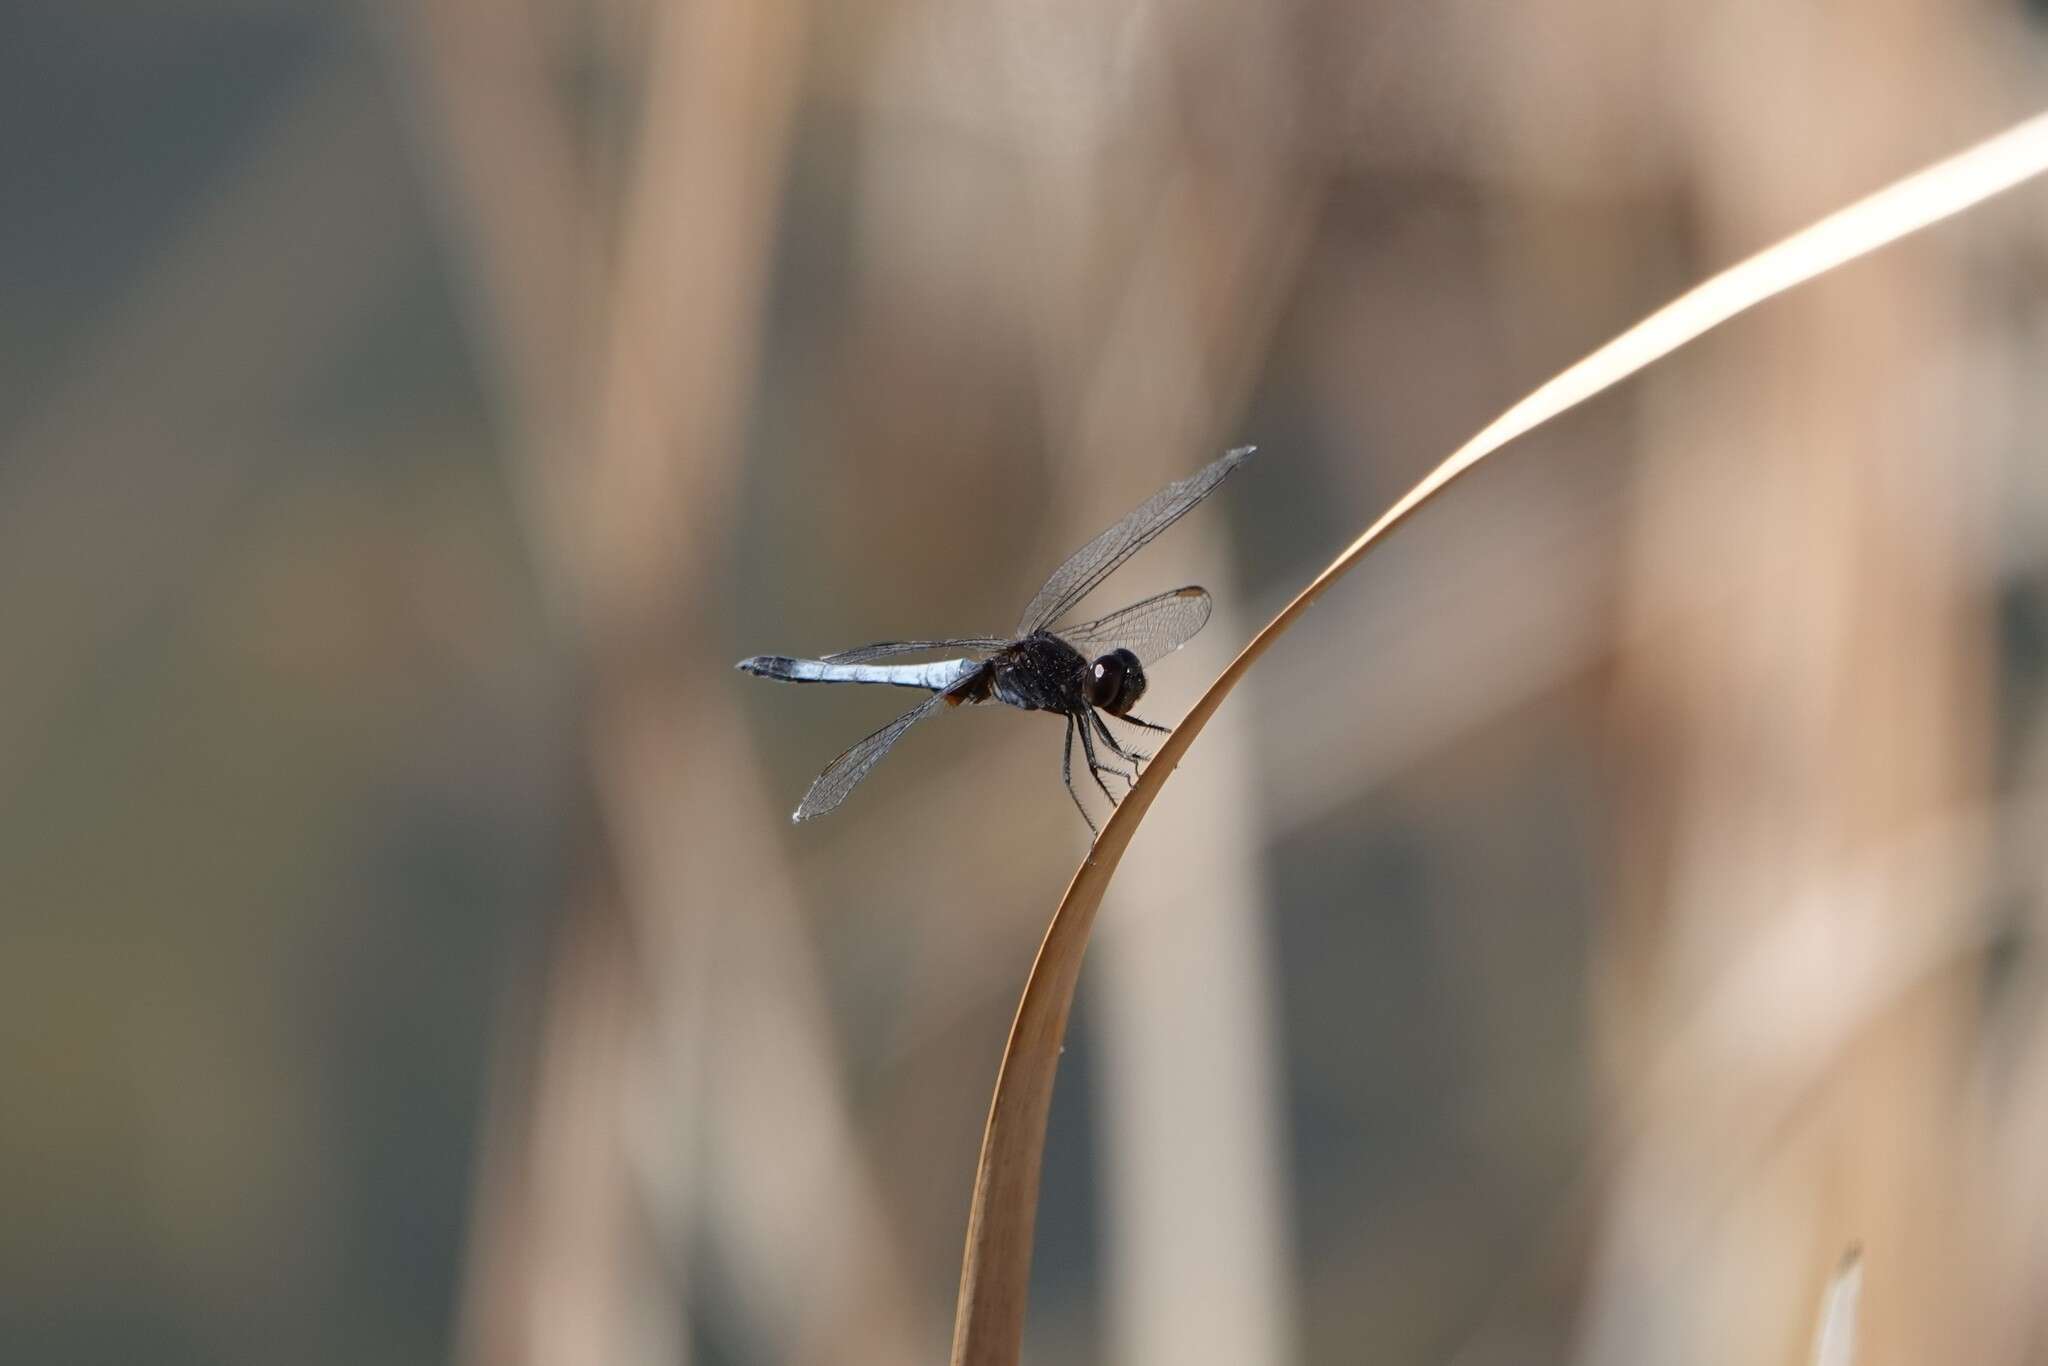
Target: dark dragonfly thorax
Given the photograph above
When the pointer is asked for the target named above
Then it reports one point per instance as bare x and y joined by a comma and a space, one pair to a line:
1039, 673
1042, 672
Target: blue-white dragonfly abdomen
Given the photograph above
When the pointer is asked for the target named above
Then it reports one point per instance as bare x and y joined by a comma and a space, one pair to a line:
933, 677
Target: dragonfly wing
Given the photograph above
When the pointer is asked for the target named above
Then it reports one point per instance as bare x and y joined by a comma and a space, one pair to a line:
885, 648
1151, 629
843, 774
1100, 558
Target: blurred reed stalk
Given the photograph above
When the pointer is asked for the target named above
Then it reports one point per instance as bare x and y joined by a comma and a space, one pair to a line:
676, 1082
1826, 697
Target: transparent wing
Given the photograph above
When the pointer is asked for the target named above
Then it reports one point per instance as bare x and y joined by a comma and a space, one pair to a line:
884, 648
1098, 559
843, 774
1151, 629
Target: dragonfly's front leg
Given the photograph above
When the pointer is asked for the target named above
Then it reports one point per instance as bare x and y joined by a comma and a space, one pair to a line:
1136, 756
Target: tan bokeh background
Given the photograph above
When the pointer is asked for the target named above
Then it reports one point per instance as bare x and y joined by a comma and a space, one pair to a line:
1617, 900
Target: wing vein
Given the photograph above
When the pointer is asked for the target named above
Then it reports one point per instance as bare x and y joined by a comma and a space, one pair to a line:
1101, 557
843, 774
1151, 629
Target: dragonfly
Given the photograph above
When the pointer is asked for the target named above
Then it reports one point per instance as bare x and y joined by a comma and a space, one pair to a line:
1080, 672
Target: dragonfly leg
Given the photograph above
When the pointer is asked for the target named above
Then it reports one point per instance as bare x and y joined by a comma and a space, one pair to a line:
1067, 776
1095, 768
1136, 756
1141, 721
1087, 717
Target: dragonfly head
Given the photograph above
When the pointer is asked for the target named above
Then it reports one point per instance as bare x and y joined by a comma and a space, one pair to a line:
1115, 682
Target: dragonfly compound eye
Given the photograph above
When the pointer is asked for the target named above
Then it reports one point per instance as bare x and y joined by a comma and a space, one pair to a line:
1115, 682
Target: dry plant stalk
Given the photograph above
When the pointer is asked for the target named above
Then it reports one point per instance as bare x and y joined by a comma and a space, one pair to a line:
995, 1270
1834, 1337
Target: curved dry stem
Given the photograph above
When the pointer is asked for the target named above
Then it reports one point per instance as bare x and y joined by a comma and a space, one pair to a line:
996, 1268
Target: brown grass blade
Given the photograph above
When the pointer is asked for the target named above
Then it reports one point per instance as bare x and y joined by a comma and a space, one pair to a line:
995, 1271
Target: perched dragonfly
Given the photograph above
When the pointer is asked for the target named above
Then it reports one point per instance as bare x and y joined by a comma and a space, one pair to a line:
1079, 671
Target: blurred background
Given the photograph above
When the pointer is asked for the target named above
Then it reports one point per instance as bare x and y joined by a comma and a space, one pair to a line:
1619, 897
